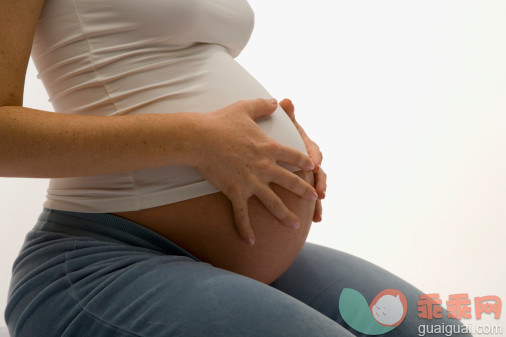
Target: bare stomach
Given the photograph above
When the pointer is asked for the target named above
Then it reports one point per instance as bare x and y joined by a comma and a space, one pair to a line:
205, 227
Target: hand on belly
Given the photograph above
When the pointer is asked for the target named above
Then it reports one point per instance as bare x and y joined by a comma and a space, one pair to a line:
205, 227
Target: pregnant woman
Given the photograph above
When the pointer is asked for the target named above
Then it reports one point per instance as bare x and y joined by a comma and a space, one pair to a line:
181, 192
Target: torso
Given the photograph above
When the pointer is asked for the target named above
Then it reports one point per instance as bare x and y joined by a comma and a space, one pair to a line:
120, 57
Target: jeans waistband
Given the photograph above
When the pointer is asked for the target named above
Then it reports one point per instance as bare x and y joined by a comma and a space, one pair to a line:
106, 227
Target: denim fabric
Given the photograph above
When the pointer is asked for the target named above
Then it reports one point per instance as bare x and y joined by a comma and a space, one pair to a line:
82, 274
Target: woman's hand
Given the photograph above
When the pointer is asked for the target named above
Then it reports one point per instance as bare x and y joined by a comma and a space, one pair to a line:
316, 156
241, 160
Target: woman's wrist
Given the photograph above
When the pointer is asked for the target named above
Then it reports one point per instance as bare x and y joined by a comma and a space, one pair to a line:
193, 134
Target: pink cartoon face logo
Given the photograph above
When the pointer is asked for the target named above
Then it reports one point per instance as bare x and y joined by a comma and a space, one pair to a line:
389, 307
385, 313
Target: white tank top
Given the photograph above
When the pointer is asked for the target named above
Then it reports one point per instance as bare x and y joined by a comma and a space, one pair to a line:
119, 57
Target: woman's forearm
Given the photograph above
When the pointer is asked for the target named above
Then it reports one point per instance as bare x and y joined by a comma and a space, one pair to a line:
227, 147
40, 144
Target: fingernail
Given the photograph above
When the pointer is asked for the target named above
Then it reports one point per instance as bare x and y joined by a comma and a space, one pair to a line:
311, 166
295, 224
274, 101
314, 196
251, 241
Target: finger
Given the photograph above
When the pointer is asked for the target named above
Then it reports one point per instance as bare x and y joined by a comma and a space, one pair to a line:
287, 105
241, 218
293, 157
294, 183
317, 217
320, 183
312, 148
259, 107
274, 205
314, 152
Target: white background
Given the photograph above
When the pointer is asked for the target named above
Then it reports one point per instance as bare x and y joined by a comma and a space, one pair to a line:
407, 100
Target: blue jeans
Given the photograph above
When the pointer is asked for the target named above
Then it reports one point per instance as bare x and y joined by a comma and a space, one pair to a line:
82, 274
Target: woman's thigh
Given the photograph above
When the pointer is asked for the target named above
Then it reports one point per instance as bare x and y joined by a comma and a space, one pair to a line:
319, 274
67, 286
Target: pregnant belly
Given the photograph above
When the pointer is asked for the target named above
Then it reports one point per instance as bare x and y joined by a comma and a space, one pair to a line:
205, 227
202, 78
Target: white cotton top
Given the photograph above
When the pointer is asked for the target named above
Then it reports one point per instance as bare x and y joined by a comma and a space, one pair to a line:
120, 57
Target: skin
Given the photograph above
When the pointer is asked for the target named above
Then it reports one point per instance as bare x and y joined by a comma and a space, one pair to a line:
209, 233
242, 164
205, 227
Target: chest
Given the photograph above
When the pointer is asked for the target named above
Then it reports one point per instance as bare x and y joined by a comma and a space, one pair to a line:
175, 23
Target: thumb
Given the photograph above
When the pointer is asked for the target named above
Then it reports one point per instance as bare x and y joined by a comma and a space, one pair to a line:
260, 107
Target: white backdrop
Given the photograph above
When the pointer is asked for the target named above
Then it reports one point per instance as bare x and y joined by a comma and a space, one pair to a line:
407, 100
